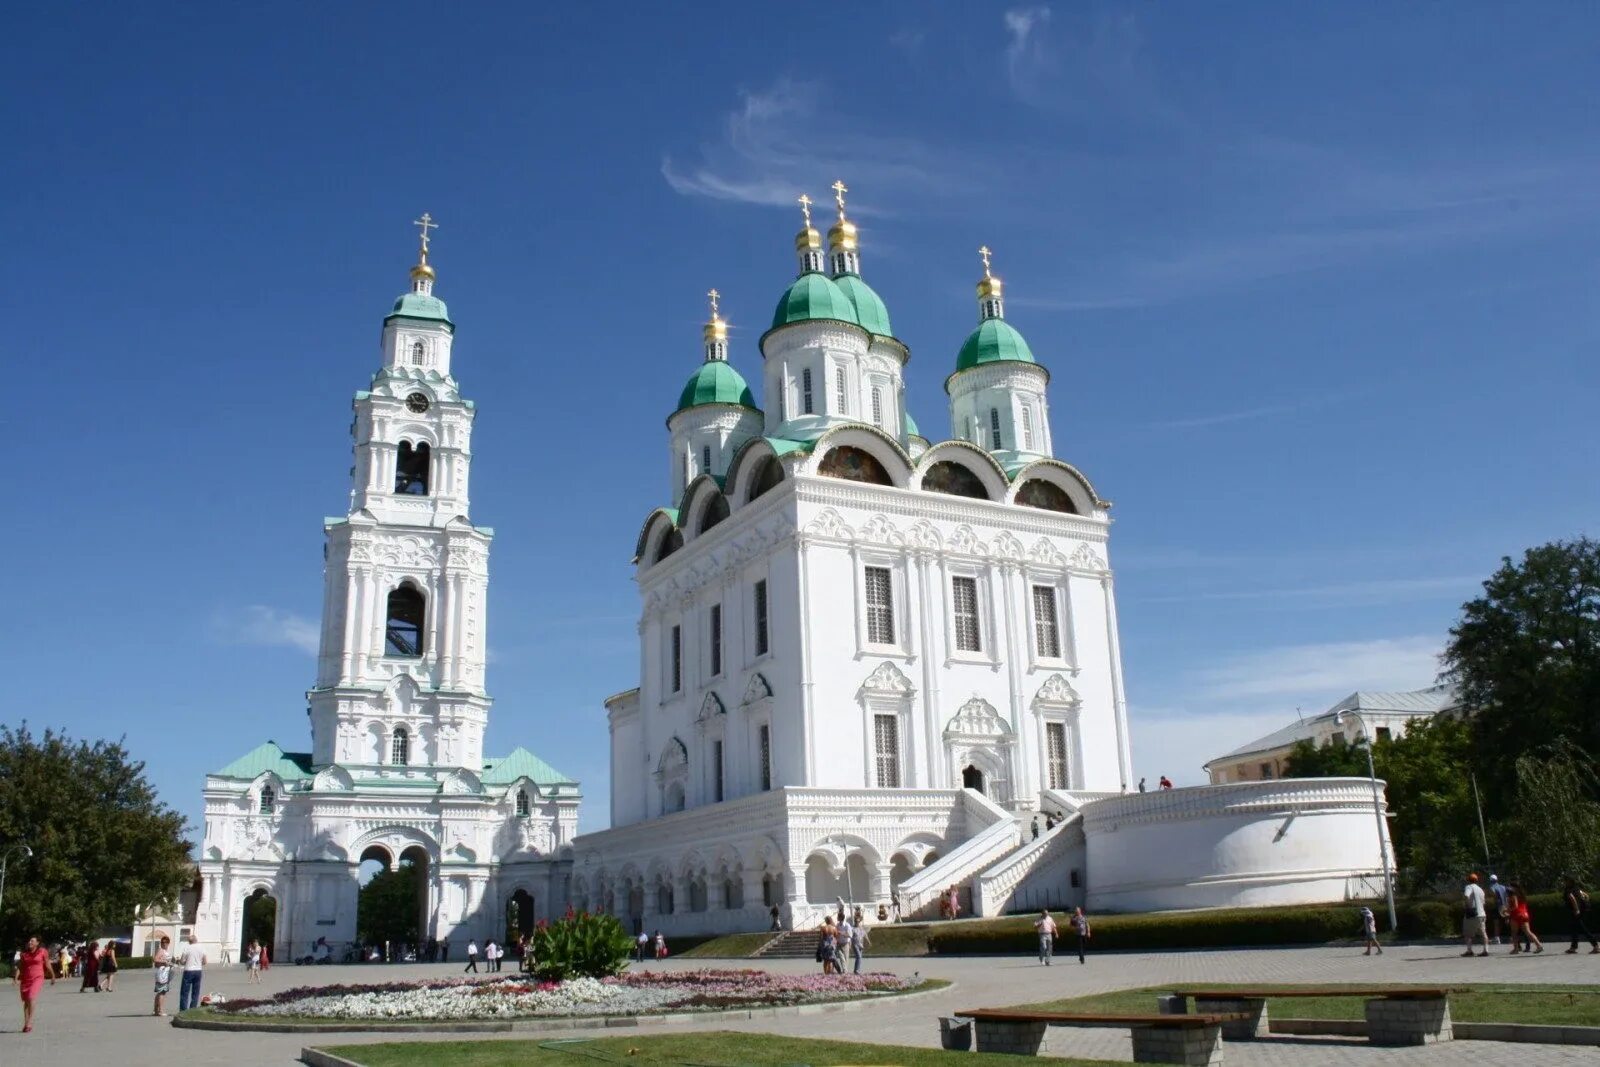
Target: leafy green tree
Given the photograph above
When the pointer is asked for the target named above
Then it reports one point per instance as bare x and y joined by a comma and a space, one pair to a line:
103, 845
1336, 758
387, 907
1525, 657
1554, 829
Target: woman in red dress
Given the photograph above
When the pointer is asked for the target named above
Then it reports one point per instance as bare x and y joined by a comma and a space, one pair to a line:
32, 969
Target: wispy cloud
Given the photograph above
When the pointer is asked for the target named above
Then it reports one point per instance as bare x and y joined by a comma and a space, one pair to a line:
782, 140
1307, 673
258, 624
1025, 52
1264, 411
1365, 593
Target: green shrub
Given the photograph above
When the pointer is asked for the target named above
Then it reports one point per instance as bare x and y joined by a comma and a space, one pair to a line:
580, 946
133, 963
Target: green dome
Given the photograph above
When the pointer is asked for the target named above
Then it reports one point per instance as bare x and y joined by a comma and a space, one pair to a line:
994, 341
911, 427
870, 312
420, 306
814, 296
715, 383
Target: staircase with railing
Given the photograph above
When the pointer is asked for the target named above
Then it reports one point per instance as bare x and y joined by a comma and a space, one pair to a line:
1001, 832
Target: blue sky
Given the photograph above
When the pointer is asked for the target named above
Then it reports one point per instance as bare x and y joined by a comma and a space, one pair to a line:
1316, 286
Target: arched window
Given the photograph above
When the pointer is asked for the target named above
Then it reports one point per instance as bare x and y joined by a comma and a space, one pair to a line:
411, 469
955, 479
994, 424
714, 512
669, 544
877, 406
805, 390
269, 800
403, 629
524, 807
400, 747
1038, 493
419, 354
853, 465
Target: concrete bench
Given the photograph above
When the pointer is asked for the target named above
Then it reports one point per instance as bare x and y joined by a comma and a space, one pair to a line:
1407, 1016
1191, 1040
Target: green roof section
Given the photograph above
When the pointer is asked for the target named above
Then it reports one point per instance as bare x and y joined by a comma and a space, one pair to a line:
289, 766
911, 427
716, 383
870, 310
814, 296
420, 306
994, 341
522, 763
783, 446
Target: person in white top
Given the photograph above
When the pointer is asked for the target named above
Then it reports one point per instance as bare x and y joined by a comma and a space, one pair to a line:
1046, 925
1472, 923
641, 946
194, 962
491, 956
472, 957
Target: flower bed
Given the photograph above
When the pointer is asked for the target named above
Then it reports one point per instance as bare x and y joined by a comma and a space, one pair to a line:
639, 993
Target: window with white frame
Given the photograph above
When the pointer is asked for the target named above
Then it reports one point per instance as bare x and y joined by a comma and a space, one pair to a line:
400, 747
805, 390
1027, 427
676, 654
994, 426
761, 617
1046, 623
877, 406
765, 756
879, 584
716, 771
841, 391
705, 459
269, 800
716, 639
524, 805
886, 750
1055, 755
964, 602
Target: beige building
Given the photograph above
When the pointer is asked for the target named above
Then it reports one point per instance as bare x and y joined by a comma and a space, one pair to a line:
1385, 714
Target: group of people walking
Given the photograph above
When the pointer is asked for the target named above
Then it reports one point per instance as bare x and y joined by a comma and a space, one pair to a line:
493, 955
1047, 928
1504, 908
840, 935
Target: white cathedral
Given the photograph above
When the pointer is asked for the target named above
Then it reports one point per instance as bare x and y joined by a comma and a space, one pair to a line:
871, 667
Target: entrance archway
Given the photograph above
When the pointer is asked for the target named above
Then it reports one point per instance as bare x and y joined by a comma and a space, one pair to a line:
260, 922
972, 778
416, 857
519, 915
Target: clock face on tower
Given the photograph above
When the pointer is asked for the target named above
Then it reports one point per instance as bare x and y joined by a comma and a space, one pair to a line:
417, 403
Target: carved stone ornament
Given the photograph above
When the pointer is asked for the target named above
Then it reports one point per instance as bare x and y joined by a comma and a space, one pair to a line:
829, 525
923, 535
758, 690
965, 542
886, 678
880, 530
976, 719
1056, 690
1085, 558
252, 839
536, 836
1007, 546
711, 707
408, 552
1046, 554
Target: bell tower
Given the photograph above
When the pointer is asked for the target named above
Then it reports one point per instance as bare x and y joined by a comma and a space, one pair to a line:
400, 674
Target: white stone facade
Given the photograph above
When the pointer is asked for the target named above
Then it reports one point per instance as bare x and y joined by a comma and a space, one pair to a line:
396, 771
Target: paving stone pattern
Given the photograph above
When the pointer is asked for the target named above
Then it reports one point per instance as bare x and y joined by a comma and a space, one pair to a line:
116, 1028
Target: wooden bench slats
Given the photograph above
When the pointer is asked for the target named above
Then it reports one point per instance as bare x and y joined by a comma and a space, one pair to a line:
1272, 994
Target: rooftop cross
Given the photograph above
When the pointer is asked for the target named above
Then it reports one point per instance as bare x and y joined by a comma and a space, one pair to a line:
805, 208
426, 223
984, 254
715, 296
839, 189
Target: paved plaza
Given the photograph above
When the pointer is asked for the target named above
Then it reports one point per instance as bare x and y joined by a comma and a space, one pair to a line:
117, 1027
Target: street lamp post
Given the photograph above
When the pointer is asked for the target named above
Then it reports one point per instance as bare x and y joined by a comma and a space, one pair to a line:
1377, 813
5, 858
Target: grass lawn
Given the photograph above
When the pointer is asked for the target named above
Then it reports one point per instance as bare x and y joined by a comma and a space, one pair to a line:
728, 946
1555, 1005
709, 1049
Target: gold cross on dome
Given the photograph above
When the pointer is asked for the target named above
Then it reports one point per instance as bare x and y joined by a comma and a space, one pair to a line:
839, 189
426, 223
984, 254
715, 296
805, 208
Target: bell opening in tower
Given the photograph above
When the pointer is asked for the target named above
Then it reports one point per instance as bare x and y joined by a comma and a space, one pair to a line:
403, 629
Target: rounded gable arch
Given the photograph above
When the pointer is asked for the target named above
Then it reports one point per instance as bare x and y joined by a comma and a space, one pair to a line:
657, 525
749, 462
702, 494
869, 439
965, 454
1063, 476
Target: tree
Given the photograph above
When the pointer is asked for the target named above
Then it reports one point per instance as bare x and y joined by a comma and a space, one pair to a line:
1554, 829
1335, 758
387, 907
1525, 657
103, 845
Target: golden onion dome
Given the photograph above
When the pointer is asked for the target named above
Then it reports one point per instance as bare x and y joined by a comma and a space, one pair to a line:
842, 234
989, 286
807, 238
716, 330
422, 270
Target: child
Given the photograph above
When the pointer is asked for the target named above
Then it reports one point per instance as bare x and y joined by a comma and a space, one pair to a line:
1369, 931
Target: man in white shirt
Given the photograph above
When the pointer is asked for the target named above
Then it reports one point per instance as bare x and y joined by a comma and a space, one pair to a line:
1472, 923
194, 962
641, 946
491, 956
472, 956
